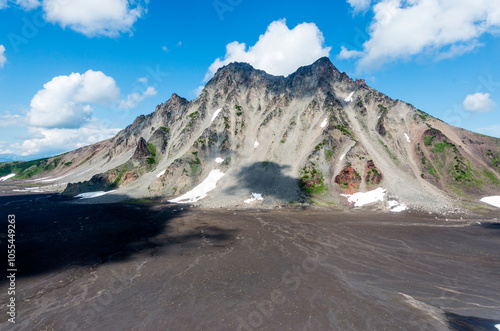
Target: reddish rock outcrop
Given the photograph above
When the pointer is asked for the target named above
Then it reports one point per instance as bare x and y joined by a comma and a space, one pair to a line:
373, 176
348, 180
142, 150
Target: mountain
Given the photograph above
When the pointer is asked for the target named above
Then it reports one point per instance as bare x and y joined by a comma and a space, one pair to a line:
15, 157
308, 137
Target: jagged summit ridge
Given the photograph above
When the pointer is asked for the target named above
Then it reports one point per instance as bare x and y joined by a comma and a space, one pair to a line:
305, 79
313, 135
321, 65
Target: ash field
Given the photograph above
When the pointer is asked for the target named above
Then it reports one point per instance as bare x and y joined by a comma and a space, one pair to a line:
151, 265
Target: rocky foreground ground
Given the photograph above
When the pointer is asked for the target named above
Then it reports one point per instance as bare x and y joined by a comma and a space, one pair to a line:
148, 265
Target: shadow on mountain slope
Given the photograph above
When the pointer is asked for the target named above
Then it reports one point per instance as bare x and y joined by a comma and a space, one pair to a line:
492, 225
268, 179
53, 233
470, 323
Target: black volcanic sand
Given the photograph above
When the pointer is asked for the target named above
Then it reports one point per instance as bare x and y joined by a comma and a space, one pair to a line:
153, 266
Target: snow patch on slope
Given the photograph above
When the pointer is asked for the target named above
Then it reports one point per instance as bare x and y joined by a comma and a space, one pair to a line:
349, 98
396, 207
200, 191
255, 197
161, 173
494, 200
325, 122
29, 189
407, 138
53, 179
214, 116
219, 160
4, 178
364, 198
90, 195
256, 144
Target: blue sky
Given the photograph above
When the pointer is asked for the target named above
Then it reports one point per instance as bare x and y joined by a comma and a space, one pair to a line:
73, 72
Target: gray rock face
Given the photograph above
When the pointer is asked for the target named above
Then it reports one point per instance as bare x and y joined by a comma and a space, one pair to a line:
288, 139
99, 182
305, 81
142, 151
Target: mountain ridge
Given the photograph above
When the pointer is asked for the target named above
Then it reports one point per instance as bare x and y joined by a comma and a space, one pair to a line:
310, 136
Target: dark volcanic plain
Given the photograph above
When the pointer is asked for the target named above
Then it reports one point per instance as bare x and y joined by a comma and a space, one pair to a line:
150, 265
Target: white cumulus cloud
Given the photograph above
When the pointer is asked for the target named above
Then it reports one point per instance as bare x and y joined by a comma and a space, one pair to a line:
359, 5
9, 120
94, 17
28, 4
479, 102
65, 101
53, 141
279, 51
445, 28
24, 4
135, 98
197, 91
3, 59
347, 54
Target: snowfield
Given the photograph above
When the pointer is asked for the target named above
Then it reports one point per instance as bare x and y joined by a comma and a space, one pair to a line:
255, 197
29, 189
4, 178
364, 198
214, 116
53, 179
396, 207
349, 98
200, 191
90, 195
494, 200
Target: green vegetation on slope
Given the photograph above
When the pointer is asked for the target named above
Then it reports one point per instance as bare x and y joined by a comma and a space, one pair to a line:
312, 180
152, 159
29, 169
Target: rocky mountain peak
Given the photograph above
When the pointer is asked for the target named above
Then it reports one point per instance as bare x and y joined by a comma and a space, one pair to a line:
322, 65
141, 150
313, 134
306, 79
309, 78
176, 101
239, 74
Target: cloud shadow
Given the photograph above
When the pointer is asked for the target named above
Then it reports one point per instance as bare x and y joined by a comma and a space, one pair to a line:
268, 179
53, 233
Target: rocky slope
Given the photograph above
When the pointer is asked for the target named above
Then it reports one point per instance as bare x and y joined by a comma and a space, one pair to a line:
311, 136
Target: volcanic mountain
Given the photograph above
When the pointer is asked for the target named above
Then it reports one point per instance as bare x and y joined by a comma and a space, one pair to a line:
254, 139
